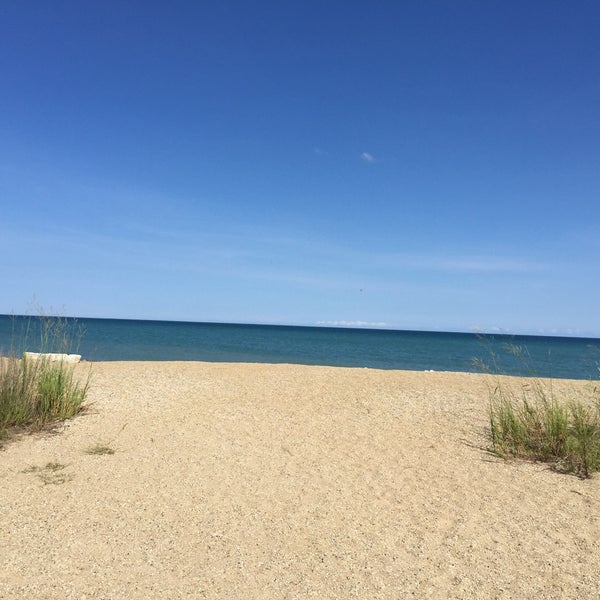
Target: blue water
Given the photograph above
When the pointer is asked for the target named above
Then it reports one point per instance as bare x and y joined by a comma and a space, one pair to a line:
117, 339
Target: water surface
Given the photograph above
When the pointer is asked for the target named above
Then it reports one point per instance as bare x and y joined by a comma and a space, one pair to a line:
120, 339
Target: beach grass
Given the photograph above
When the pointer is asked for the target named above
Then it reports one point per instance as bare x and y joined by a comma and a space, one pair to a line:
35, 392
530, 421
99, 450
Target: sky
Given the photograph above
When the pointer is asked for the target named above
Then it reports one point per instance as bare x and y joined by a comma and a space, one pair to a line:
410, 165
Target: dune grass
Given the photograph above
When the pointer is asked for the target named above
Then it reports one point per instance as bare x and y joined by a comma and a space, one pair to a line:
532, 423
530, 420
34, 393
37, 392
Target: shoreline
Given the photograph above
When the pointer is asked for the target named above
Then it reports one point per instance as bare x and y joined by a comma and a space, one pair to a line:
561, 381
274, 480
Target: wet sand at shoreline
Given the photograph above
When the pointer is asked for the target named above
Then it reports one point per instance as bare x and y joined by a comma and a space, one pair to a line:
285, 481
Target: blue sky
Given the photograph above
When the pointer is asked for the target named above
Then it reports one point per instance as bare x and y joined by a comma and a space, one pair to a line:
415, 165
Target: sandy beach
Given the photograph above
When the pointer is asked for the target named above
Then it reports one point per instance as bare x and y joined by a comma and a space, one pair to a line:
282, 481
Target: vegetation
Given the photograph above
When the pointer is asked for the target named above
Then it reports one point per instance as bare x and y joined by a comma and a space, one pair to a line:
51, 473
99, 449
35, 392
532, 423
106, 447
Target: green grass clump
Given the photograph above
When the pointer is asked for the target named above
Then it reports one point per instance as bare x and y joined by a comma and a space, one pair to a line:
99, 449
534, 424
36, 392
104, 447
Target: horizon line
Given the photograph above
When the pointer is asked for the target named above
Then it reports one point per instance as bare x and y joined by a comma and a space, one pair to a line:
341, 324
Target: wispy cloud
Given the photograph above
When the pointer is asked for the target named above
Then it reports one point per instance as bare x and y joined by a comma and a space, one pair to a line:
481, 264
352, 323
367, 157
457, 263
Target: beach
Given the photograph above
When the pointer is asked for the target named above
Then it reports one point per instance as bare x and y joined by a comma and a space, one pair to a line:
285, 481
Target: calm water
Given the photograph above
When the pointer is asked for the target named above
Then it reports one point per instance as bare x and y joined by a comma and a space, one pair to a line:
117, 339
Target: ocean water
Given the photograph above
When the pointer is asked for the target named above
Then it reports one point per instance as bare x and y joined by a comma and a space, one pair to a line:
118, 339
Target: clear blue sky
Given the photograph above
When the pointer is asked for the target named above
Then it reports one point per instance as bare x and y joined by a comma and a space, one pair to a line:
419, 165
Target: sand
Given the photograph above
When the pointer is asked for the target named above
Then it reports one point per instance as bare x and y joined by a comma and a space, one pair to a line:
281, 481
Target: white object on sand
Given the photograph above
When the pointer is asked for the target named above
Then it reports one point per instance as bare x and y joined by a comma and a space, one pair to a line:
53, 356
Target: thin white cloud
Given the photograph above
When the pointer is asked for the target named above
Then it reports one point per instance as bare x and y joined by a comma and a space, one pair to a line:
483, 264
367, 157
352, 323
475, 263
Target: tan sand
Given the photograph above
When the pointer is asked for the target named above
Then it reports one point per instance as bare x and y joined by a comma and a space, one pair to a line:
278, 481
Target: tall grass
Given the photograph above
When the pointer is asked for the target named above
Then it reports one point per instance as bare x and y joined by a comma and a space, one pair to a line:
44, 333
36, 392
533, 423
